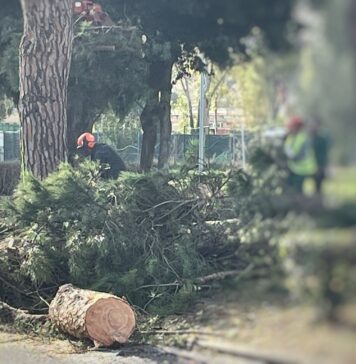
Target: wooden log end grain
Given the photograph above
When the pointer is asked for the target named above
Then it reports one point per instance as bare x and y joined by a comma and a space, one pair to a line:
101, 317
110, 320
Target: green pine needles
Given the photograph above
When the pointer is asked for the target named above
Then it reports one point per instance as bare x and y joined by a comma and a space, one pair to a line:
150, 238
137, 236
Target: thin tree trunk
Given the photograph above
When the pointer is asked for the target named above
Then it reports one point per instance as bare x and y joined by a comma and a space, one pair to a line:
216, 113
185, 87
210, 96
165, 115
45, 54
217, 86
149, 122
156, 112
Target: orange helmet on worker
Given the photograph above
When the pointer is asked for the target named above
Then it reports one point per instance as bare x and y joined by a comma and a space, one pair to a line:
86, 140
294, 124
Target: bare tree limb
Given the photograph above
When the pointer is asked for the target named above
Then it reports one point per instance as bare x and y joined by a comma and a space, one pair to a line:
10, 315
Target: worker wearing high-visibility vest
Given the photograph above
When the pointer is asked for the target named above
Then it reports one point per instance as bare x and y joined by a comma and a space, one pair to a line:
300, 154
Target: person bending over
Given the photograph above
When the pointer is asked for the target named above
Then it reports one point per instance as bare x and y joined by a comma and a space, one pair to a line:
101, 153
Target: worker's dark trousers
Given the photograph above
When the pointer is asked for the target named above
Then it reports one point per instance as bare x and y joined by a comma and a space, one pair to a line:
318, 180
295, 182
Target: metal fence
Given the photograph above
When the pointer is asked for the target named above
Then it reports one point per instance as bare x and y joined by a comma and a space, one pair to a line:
219, 149
9, 141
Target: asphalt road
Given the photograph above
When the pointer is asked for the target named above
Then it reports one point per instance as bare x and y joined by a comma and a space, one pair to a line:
22, 353
18, 349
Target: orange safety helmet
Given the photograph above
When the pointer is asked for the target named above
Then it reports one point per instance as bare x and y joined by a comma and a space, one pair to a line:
86, 140
295, 122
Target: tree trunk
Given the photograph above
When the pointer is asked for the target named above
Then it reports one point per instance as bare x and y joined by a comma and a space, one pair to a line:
216, 113
165, 115
149, 122
75, 128
185, 86
101, 317
209, 97
45, 54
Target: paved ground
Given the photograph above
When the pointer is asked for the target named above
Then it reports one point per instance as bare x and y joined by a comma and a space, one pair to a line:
22, 354
15, 349
28, 353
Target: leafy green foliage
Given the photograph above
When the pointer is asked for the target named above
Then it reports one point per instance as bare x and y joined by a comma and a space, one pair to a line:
10, 34
119, 133
215, 26
107, 70
9, 177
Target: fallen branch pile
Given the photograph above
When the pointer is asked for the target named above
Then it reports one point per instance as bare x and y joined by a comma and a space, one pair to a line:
155, 239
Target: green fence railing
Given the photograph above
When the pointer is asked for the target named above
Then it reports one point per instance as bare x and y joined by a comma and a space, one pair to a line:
9, 141
9, 126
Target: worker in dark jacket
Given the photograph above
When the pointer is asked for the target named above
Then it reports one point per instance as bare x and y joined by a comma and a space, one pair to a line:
321, 144
101, 153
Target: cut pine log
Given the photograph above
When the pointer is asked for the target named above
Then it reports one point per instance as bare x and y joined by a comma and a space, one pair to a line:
101, 317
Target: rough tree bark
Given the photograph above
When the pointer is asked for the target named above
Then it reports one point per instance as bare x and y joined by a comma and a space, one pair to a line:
150, 116
157, 113
165, 115
45, 54
101, 317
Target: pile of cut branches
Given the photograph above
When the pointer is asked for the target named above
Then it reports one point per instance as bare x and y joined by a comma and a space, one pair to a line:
142, 236
155, 239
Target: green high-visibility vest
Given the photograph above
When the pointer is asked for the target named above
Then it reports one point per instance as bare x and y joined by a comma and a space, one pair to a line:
300, 153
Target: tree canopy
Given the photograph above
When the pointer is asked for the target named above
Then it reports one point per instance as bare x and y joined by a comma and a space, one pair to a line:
174, 30
107, 71
215, 26
10, 34
115, 68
